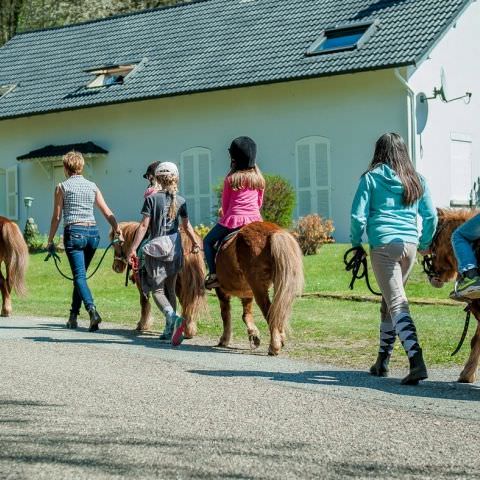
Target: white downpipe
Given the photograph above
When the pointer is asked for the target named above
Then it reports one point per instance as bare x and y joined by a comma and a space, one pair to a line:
412, 127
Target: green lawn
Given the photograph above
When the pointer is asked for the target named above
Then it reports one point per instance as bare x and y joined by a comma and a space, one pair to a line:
337, 331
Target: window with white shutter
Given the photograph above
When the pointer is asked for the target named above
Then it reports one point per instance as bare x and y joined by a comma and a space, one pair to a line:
313, 176
461, 170
11, 181
196, 184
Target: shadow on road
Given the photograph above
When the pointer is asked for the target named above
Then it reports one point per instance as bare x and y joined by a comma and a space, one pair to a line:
127, 337
358, 379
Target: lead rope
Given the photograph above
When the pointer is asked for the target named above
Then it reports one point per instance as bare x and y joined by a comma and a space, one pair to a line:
358, 260
468, 310
57, 260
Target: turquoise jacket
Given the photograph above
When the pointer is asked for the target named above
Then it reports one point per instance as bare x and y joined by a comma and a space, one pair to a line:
378, 206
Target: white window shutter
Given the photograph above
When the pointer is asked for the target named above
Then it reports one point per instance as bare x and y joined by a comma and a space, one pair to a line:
313, 176
11, 179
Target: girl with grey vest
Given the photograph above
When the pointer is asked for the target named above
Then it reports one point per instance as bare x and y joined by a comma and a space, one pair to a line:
390, 196
162, 212
75, 197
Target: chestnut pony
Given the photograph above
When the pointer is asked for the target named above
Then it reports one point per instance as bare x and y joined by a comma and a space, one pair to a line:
14, 253
444, 265
260, 255
190, 281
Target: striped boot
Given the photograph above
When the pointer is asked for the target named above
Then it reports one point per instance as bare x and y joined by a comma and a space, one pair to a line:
387, 341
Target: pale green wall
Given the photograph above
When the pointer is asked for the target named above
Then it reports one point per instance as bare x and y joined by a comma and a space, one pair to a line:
350, 110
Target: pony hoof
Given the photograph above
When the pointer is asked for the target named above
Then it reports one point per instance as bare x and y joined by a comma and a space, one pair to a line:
254, 341
465, 379
273, 353
223, 343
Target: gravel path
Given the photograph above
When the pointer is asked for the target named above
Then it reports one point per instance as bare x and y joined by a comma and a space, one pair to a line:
109, 405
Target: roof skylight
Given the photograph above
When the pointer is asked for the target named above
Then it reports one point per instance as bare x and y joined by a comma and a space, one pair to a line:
348, 37
109, 75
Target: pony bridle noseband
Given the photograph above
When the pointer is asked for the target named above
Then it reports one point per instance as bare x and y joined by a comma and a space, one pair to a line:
123, 257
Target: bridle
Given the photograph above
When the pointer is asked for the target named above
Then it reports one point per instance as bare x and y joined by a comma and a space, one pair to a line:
427, 261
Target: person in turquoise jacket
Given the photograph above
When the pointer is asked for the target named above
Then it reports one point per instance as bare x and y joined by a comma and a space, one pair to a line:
389, 199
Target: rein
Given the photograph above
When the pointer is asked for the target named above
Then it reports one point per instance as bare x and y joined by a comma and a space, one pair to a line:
429, 269
57, 260
354, 264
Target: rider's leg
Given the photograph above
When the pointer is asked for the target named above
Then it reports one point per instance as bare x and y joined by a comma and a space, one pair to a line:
462, 241
217, 233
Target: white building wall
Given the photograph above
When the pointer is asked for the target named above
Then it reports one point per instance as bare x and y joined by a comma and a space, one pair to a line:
350, 111
450, 124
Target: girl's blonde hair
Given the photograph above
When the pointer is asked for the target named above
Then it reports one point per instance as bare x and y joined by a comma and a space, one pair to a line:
73, 162
251, 178
169, 184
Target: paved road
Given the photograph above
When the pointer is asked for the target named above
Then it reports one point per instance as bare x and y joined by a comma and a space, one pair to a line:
76, 405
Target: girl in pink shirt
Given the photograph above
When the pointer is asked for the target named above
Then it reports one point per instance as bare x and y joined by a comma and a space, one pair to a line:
242, 198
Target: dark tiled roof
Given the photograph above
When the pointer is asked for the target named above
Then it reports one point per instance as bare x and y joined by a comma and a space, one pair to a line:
60, 150
208, 45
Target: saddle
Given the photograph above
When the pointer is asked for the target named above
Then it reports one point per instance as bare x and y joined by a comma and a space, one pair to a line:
225, 242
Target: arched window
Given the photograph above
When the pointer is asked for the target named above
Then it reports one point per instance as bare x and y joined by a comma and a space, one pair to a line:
313, 176
195, 184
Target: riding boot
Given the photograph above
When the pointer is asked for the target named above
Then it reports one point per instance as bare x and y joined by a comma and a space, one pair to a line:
169, 325
95, 319
380, 367
418, 369
72, 320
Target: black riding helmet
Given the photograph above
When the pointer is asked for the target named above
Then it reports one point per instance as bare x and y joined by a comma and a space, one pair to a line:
151, 170
243, 151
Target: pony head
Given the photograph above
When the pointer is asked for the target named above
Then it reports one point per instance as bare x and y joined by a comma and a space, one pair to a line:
120, 260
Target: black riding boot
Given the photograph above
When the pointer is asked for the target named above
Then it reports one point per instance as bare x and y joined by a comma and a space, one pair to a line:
95, 319
418, 369
72, 320
380, 367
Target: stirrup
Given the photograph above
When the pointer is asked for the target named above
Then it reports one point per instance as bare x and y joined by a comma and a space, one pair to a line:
211, 283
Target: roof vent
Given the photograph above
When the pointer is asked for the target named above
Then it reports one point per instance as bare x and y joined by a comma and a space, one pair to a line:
346, 37
109, 75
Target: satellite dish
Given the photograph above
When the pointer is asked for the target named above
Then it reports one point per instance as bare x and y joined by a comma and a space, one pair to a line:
421, 112
444, 92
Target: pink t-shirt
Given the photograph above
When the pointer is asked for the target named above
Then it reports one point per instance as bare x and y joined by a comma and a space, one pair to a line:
240, 207
150, 191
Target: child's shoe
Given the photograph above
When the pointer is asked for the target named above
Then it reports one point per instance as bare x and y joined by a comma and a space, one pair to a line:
169, 326
178, 332
468, 286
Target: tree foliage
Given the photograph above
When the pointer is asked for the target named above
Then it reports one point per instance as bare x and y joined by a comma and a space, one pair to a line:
18, 15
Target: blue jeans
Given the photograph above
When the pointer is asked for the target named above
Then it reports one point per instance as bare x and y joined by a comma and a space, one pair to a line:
216, 234
462, 242
80, 244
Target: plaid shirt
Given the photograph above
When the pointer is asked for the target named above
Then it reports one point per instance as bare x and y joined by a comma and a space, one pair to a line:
78, 200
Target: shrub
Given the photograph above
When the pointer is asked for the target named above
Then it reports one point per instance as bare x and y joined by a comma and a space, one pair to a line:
202, 230
312, 232
278, 202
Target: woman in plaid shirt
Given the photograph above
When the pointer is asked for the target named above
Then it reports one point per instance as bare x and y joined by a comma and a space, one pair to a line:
75, 197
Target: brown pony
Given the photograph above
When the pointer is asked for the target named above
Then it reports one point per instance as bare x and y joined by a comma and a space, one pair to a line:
259, 256
444, 265
14, 253
190, 282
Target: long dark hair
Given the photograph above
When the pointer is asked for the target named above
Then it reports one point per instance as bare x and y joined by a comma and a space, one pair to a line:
391, 150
